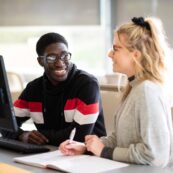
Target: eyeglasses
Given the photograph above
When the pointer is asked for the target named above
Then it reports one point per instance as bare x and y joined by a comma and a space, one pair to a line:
53, 58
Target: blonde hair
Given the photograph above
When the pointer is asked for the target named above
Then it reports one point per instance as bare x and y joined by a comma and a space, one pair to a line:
153, 46
150, 44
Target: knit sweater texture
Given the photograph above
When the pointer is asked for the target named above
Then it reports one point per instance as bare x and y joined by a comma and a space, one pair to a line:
143, 132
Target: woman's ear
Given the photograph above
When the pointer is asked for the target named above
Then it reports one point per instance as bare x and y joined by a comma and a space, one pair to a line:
40, 61
137, 54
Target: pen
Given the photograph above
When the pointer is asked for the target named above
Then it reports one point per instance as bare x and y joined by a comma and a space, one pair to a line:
72, 134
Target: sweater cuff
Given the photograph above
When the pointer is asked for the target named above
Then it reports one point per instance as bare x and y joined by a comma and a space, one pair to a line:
121, 154
107, 153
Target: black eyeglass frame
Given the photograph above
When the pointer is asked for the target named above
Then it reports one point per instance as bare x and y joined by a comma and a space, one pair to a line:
53, 58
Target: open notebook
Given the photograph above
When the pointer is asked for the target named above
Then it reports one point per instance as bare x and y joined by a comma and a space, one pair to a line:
76, 164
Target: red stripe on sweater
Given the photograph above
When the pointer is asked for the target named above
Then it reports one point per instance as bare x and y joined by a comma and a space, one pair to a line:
35, 106
21, 104
32, 106
81, 106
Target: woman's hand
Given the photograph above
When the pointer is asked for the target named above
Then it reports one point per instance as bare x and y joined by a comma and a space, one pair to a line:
94, 144
72, 148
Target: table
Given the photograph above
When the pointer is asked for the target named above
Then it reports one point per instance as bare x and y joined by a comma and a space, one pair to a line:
7, 156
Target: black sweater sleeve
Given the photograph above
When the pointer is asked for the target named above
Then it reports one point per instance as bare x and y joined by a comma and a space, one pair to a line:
88, 115
107, 153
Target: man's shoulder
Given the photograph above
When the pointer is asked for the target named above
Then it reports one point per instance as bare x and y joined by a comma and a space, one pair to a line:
84, 76
36, 82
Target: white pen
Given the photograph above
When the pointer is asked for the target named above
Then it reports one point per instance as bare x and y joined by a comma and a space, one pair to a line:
72, 134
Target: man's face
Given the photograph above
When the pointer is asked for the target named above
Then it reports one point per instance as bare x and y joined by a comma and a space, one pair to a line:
56, 71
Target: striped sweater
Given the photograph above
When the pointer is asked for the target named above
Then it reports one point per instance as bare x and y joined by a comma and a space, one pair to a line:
56, 110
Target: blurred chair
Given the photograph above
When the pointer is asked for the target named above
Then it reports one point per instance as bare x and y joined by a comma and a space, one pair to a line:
15, 83
110, 100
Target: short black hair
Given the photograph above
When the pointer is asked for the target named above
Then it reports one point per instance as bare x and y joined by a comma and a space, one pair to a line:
47, 39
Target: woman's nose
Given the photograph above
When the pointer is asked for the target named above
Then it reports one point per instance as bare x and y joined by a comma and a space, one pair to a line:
110, 53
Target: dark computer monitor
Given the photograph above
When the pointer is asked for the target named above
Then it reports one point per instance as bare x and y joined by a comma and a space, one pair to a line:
7, 115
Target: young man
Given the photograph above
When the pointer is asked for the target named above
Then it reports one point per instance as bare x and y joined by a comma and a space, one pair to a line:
63, 98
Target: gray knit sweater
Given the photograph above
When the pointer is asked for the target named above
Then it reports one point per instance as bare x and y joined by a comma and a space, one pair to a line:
143, 132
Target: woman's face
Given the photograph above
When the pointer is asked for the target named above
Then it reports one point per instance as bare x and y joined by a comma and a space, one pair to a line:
121, 57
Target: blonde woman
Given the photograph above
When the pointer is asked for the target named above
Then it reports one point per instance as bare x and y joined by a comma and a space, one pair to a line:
143, 124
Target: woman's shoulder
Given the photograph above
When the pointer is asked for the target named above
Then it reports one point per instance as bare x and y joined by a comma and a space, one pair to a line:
148, 87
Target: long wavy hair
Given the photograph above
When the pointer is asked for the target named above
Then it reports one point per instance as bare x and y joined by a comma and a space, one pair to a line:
152, 45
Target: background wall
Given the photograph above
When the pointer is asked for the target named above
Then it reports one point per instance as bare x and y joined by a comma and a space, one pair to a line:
87, 25
49, 12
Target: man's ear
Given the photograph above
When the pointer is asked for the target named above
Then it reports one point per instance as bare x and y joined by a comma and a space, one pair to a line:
40, 61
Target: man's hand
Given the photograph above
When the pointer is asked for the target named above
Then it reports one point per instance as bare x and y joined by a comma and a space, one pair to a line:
33, 137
